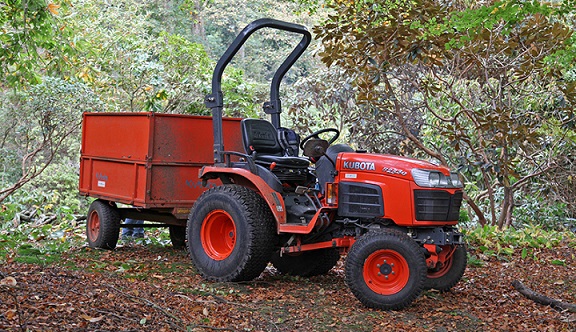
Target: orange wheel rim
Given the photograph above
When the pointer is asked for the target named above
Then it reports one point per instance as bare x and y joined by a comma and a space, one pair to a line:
386, 272
93, 226
218, 235
448, 256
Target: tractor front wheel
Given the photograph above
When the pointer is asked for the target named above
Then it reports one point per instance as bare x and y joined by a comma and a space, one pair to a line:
385, 270
102, 225
231, 234
445, 277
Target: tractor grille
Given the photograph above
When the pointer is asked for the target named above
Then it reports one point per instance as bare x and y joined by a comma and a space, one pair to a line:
360, 200
437, 205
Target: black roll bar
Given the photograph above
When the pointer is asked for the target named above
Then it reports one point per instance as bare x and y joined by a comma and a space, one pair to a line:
215, 100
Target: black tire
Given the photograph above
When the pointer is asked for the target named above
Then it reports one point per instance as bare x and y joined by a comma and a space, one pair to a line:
177, 236
446, 277
306, 264
231, 234
102, 225
385, 270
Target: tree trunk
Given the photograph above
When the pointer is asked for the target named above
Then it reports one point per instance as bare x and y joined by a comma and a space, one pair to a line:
505, 218
476, 209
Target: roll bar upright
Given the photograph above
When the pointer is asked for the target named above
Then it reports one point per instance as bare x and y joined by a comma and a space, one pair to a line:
215, 100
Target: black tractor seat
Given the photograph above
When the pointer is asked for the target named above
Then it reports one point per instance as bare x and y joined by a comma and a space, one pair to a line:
261, 142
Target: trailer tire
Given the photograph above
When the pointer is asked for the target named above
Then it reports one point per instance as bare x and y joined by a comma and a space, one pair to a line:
102, 225
385, 270
446, 277
177, 236
231, 234
307, 263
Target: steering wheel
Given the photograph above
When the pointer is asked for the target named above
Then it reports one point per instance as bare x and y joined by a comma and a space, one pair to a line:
321, 131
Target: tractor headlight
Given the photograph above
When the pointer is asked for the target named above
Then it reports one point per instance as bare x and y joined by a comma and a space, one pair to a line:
456, 180
435, 179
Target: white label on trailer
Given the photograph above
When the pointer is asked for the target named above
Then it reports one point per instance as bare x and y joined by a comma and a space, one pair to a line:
102, 184
350, 175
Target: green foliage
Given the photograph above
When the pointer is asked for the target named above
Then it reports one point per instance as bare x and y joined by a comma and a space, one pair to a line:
265, 50
325, 98
537, 209
138, 64
36, 124
472, 84
33, 39
37, 245
474, 261
492, 241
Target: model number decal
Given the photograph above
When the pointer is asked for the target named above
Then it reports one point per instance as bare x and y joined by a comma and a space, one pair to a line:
101, 178
391, 170
359, 165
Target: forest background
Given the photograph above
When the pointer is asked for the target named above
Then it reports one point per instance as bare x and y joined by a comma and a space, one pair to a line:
486, 88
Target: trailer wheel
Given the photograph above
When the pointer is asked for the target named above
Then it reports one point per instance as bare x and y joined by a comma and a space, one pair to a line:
102, 225
231, 234
307, 263
385, 270
177, 236
445, 277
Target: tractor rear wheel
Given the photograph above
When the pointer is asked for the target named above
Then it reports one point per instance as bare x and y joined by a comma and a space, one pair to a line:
385, 270
231, 234
307, 263
102, 225
177, 236
448, 275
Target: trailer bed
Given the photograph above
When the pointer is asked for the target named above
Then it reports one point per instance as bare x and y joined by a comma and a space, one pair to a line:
149, 160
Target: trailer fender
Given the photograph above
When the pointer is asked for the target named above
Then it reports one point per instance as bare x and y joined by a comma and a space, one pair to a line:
248, 179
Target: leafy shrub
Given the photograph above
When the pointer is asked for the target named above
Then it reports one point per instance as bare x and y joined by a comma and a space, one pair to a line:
492, 241
531, 209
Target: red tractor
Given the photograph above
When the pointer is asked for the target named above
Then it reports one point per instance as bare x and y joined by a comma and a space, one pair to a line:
395, 217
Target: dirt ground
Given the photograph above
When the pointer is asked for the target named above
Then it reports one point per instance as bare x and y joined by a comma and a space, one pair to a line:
154, 288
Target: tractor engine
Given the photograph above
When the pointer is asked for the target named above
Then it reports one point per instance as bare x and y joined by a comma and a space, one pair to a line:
403, 191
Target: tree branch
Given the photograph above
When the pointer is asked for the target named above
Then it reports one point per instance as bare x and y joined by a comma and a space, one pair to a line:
541, 299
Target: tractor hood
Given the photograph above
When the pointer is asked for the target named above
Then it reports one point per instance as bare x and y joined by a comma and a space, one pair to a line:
400, 167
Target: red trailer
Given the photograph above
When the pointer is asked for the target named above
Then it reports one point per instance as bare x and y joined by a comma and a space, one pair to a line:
149, 161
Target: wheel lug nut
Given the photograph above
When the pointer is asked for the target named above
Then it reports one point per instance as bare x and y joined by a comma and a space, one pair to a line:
379, 273
384, 261
393, 272
386, 277
377, 265
392, 264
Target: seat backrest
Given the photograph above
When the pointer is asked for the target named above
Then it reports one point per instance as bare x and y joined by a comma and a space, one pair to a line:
260, 136
289, 141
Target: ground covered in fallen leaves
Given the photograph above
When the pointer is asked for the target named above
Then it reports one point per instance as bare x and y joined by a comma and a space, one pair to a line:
141, 287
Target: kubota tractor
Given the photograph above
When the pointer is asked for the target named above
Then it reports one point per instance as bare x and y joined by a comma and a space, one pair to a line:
394, 217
